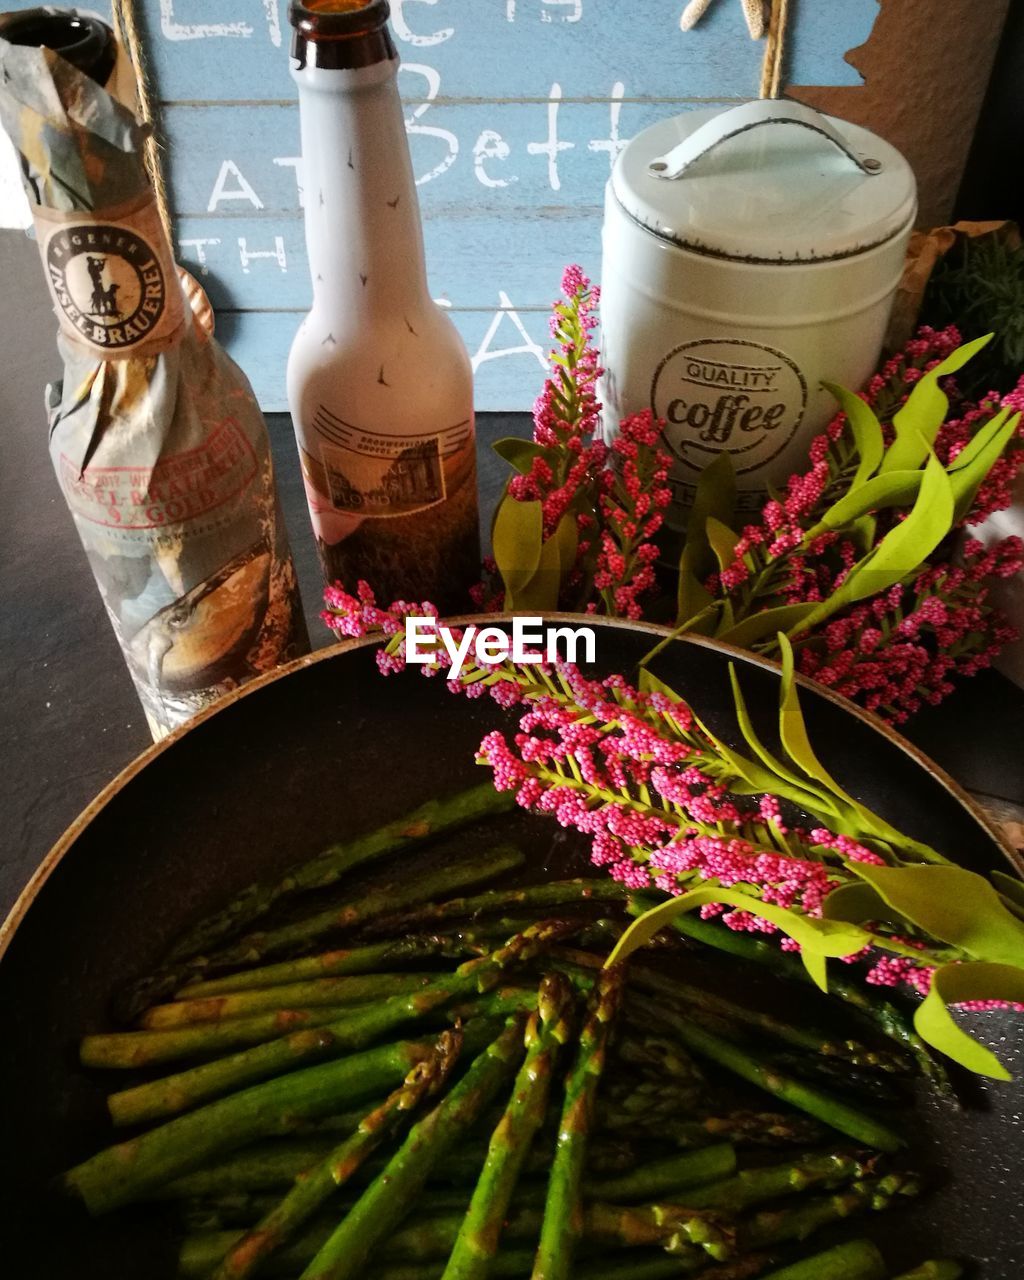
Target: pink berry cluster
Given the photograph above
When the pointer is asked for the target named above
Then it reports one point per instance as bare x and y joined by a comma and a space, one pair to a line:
903, 648
632, 510
640, 778
615, 495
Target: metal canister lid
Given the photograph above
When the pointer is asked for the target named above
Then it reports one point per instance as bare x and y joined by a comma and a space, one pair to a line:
768, 182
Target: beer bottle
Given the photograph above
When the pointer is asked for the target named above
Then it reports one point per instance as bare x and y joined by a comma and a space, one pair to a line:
160, 449
379, 381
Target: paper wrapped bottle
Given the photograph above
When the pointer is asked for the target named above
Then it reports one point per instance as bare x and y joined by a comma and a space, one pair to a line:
159, 446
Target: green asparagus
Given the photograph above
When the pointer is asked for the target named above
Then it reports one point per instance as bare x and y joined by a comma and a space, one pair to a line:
832, 1111
354, 1030
855, 1260
429, 820
390, 1197
537, 897
313, 1190
547, 1033
563, 1217
137, 1167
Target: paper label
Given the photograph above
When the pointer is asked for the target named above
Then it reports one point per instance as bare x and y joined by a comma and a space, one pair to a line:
369, 473
113, 282
179, 488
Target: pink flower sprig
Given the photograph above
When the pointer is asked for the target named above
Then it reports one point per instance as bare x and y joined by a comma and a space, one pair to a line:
633, 510
635, 773
903, 649
616, 496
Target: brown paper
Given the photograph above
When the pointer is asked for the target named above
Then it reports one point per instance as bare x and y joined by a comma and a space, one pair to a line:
925, 251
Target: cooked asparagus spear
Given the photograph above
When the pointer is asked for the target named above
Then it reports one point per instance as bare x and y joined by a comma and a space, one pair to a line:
537, 897
313, 1190
563, 1216
137, 1167
390, 1197
354, 1030
547, 1033
429, 820
816, 1102
373, 957
855, 1260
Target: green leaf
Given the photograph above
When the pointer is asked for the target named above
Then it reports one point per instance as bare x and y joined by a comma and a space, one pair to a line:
793, 730
1011, 887
650, 683
748, 631
819, 939
866, 430
859, 820
517, 542
896, 489
917, 423
1011, 890
715, 499
955, 984
953, 905
903, 549
857, 903
787, 783
557, 556
518, 453
692, 598
722, 541
966, 476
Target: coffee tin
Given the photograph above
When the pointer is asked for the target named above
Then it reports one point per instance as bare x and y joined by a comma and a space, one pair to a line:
749, 255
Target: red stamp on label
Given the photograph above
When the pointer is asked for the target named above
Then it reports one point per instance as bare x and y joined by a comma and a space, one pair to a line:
179, 488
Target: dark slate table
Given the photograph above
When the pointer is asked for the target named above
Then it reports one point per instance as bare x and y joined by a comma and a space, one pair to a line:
70, 719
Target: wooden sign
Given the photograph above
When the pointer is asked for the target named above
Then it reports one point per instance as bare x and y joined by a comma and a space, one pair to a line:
516, 110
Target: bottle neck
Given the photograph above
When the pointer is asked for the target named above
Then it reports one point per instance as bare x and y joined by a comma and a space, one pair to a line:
363, 231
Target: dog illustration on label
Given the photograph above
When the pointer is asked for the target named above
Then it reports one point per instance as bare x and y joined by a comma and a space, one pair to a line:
104, 296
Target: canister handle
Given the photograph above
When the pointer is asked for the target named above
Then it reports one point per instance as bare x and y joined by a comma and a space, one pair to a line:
751, 115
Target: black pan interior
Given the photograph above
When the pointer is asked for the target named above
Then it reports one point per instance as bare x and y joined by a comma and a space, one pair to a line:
330, 749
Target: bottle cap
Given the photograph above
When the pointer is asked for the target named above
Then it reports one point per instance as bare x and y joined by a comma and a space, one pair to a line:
345, 34
86, 42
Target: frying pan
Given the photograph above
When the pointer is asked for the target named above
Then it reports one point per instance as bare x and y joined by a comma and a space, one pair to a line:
328, 747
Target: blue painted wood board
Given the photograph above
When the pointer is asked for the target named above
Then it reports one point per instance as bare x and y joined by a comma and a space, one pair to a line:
487, 83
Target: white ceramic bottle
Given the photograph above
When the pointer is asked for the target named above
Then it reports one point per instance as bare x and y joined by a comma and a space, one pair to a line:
379, 381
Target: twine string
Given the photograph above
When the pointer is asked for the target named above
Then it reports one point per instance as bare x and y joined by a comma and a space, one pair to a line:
775, 50
126, 20
777, 30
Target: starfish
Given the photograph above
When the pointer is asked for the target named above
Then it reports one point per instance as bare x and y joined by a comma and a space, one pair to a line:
753, 11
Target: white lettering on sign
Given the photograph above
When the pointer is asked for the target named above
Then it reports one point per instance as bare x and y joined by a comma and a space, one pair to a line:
577, 11
490, 146
199, 257
545, 14
403, 30
613, 144
526, 348
221, 190
295, 163
174, 30
247, 255
273, 22
433, 79
552, 146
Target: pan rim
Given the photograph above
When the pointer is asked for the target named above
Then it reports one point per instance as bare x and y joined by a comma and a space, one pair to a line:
65, 842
